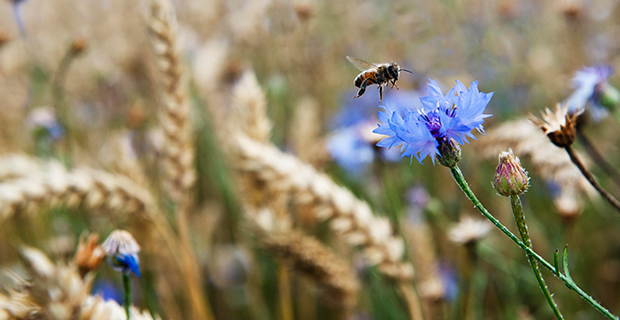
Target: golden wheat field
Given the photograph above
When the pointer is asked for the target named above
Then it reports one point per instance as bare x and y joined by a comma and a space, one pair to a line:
207, 159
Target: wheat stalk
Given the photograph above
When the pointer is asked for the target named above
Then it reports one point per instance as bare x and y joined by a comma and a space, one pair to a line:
58, 292
351, 218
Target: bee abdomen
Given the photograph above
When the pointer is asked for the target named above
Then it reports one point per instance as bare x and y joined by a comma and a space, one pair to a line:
363, 76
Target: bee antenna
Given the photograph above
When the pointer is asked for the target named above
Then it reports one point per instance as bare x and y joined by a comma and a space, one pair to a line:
406, 70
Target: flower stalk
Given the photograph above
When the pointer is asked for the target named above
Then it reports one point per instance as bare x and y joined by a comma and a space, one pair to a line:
586, 173
462, 183
517, 210
127, 289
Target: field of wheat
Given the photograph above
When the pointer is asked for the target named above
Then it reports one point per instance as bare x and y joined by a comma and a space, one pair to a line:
207, 159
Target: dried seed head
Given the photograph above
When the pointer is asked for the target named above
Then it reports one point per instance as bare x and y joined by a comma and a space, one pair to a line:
89, 254
571, 9
559, 126
469, 230
510, 177
4, 37
122, 250
78, 45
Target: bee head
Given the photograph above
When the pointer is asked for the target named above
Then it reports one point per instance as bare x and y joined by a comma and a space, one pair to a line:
393, 70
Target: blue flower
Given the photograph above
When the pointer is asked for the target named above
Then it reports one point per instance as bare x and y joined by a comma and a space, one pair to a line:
439, 120
350, 150
122, 250
352, 144
589, 84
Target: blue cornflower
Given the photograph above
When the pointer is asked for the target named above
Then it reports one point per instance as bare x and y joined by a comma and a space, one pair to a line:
44, 123
589, 84
122, 250
352, 144
436, 127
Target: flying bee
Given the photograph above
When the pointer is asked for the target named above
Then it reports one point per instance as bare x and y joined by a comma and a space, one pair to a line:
385, 73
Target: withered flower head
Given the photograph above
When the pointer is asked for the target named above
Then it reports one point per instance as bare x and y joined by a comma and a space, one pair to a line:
89, 254
510, 177
559, 126
469, 230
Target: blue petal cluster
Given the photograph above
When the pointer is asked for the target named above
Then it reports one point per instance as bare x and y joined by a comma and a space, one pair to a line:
440, 119
588, 84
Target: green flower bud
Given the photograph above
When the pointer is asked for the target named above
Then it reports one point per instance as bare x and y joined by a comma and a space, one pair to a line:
450, 152
510, 177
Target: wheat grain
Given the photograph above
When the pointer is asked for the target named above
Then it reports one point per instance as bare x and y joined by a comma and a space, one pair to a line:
351, 218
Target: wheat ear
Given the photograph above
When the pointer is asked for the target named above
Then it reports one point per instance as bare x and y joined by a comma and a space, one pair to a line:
58, 292
49, 184
250, 106
16, 165
307, 256
175, 121
178, 146
350, 217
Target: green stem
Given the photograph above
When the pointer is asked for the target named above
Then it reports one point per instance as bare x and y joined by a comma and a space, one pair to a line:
517, 209
127, 287
462, 183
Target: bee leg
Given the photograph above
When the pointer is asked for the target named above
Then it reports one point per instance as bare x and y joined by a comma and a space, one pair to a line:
381, 93
395, 85
362, 89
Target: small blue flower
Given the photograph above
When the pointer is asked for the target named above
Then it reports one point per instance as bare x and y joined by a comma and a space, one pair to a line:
439, 120
589, 84
349, 150
122, 250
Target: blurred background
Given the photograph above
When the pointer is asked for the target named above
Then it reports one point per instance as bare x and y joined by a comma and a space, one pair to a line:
81, 86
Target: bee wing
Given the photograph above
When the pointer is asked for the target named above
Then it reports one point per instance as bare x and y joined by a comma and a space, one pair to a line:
361, 64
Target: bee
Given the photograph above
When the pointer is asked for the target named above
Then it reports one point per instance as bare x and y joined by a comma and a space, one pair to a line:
385, 73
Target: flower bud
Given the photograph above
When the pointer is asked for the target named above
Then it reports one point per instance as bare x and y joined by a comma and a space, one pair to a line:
450, 153
510, 178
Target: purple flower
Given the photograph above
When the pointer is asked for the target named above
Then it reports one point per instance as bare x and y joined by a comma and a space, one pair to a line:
439, 120
589, 84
